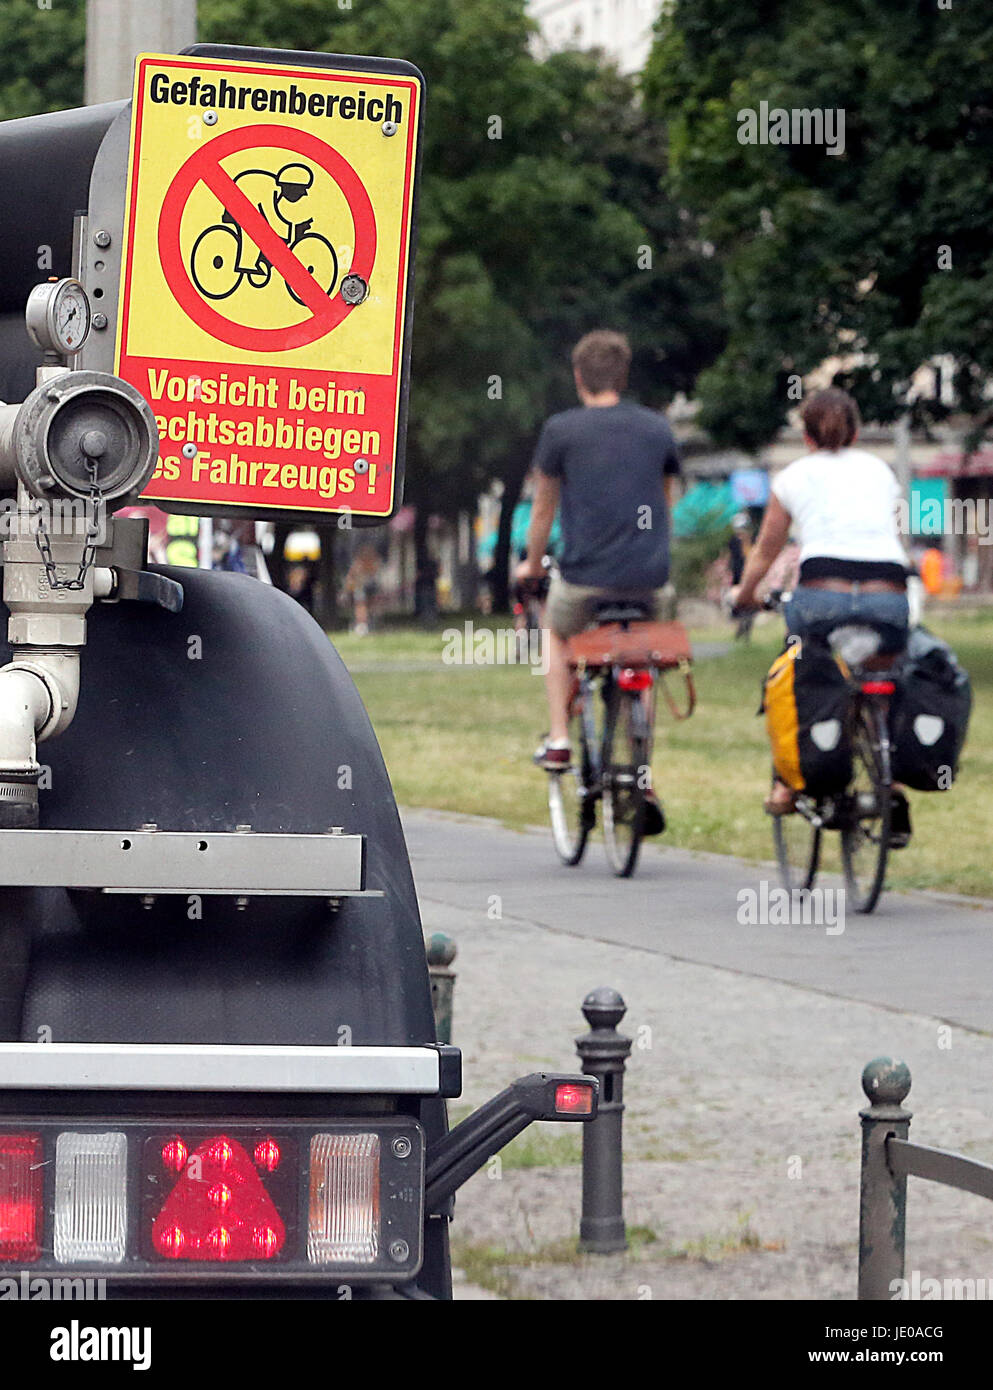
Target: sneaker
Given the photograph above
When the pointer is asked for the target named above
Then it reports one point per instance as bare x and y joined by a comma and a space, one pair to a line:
900, 830
654, 816
552, 759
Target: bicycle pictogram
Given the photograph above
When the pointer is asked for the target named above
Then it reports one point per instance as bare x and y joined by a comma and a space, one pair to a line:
224, 257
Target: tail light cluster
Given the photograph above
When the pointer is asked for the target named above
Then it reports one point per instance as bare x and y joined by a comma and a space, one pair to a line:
301, 1197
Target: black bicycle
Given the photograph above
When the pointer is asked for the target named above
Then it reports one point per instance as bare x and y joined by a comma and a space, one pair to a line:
863, 812
612, 738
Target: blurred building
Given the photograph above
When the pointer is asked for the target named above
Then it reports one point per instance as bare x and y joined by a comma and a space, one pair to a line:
622, 28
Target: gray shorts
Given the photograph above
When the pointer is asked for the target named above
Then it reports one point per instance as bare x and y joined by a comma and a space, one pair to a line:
571, 608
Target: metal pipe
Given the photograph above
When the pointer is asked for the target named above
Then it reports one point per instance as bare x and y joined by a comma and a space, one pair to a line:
26, 706
8, 471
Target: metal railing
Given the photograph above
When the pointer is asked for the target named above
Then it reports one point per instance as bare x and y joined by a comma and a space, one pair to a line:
888, 1159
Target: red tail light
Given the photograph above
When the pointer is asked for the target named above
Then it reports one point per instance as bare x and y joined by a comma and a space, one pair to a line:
174, 1155
21, 1208
573, 1098
219, 1210
878, 687
635, 679
267, 1155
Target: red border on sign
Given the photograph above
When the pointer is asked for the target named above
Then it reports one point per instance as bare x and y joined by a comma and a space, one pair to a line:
354, 77
205, 166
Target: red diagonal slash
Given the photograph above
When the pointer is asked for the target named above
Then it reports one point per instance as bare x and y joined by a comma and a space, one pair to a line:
204, 165
275, 250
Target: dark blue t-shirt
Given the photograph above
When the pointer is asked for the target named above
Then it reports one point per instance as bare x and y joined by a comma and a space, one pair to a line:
610, 461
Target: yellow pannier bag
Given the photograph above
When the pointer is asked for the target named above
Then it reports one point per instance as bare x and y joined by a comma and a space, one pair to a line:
805, 700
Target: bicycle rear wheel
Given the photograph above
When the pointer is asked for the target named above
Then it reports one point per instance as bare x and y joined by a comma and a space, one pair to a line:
865, 837
571, 804
798, 849
626, 766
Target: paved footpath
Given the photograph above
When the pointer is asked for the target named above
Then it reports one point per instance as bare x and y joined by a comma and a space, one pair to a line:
741, 1130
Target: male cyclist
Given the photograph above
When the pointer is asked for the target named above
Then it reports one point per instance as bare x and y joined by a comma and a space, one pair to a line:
609, 464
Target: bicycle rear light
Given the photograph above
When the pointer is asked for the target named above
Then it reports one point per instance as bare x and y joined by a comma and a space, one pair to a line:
91, 1213
635, 678
878, 687
21, 1206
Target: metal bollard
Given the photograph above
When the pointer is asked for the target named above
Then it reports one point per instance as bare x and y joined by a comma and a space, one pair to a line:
603, 1052
441, 951
883, 1198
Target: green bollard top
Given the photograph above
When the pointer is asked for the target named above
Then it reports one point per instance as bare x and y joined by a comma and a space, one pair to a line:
604, 1007
441, 949
886, 1081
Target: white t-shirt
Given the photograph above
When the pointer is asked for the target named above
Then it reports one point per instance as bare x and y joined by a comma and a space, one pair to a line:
843, 505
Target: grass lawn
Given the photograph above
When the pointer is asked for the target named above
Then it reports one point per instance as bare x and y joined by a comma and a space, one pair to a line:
459, 738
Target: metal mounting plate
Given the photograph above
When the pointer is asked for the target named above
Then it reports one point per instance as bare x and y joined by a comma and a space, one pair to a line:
168, 861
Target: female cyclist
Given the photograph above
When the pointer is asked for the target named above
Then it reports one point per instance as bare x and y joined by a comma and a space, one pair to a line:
840, 503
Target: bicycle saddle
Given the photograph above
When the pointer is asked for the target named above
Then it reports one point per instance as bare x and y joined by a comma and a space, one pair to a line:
611, 611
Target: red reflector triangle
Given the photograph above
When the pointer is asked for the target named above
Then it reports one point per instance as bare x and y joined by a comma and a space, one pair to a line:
219, 1209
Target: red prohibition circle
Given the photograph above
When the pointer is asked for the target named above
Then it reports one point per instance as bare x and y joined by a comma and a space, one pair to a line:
205, 166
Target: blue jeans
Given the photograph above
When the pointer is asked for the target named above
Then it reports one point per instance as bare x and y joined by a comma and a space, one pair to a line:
816, 613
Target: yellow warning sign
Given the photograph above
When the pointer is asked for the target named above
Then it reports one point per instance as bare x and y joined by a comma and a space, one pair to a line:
264, 284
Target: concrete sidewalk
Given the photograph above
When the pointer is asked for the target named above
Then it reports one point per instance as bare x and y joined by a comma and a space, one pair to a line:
742, 1134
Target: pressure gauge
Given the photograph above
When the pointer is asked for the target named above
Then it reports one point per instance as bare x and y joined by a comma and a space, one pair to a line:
58, 316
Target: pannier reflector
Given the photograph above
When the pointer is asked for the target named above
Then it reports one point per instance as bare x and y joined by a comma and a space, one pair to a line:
90, 1198
344, 1199
21, 1207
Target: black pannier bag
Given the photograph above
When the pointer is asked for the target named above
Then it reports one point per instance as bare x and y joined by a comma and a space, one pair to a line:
929, 714
805, 701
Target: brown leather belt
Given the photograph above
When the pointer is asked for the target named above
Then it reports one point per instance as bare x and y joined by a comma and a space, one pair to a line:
864, 586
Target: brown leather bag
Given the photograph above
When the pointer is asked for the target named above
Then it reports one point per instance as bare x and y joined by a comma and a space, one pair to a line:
662, 645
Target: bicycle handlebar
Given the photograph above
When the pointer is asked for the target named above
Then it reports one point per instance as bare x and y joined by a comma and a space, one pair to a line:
772, 603
531, 588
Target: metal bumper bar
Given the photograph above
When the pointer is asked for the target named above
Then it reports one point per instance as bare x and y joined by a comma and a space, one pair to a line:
245, 863
423, 1071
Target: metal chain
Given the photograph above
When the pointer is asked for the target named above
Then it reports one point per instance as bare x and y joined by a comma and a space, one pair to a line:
89, 549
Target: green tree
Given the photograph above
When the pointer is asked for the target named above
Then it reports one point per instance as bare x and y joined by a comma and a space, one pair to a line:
540, 217
884, 249
42, 56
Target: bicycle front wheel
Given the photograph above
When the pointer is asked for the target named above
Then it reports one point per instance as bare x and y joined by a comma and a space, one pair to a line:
626, 778
865, 838
798, 849
571, 805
